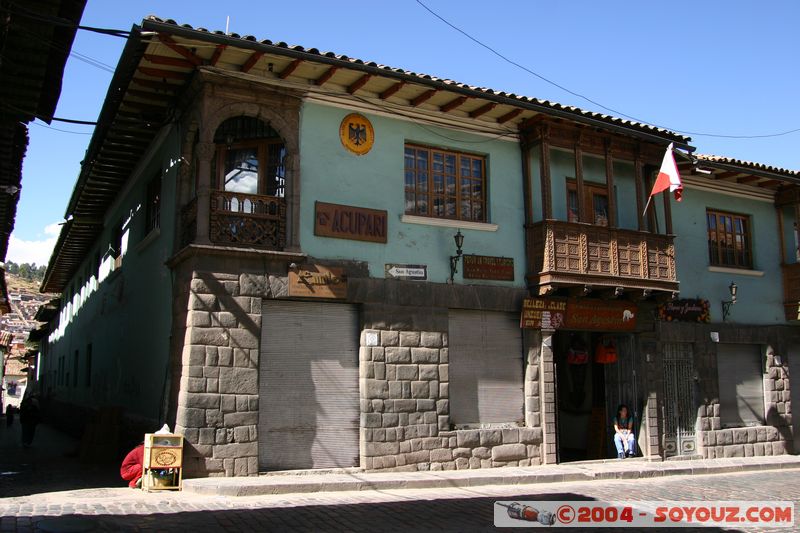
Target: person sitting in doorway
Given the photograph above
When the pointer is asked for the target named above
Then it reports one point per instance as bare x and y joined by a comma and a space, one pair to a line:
623, 433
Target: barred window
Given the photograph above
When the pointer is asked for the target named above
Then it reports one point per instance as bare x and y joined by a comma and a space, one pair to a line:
445, 184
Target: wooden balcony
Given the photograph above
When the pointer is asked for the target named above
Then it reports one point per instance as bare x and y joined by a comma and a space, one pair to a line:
791, 291
247, 220
569, 254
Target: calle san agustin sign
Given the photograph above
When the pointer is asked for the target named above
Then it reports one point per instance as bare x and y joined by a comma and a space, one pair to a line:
408, 272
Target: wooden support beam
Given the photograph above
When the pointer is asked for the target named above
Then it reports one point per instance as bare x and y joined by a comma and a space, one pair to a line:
326, 76
217, 54
544, 173
514, 113
725, 175
424, 97
169, 61
158, 85
149, 95
637, 179
453, 104
162, 73
181, 50
612, 200
285, 73
482, 110
781, 236
359, 83
582, 216
251, 61
392, 90
667, 213
768, 184
747, 179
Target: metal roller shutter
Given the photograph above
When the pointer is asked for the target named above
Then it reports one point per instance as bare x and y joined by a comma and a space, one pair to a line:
794, 387
309, 398
486, 367
741, 385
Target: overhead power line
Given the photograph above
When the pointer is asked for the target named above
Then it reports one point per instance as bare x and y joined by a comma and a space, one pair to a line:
586, 98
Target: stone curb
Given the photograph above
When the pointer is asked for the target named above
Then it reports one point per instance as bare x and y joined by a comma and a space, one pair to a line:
359, 481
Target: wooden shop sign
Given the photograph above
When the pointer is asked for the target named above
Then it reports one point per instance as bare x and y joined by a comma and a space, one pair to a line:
543, 313
685, 310
348, 222
316, 281
488, 267
601, 315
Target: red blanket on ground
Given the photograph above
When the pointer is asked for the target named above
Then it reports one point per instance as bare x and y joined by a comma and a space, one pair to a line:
131, 469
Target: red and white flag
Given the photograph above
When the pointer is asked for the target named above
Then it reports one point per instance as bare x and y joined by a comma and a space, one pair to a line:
668, 176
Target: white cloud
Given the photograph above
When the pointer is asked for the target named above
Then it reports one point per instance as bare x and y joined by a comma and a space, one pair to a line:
34, 251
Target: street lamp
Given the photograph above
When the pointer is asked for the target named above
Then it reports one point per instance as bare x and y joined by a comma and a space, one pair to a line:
726, 304
454, 259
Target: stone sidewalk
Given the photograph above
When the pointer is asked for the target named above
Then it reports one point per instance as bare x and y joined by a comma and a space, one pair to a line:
354, 480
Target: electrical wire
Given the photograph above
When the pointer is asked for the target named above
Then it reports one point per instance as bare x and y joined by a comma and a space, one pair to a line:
586, 98
61, 130
57, 119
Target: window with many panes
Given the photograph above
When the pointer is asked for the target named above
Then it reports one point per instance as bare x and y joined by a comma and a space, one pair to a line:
729, 242
445, 184
595, 200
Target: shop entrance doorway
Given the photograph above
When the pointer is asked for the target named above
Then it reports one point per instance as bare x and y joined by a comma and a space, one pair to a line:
595, 373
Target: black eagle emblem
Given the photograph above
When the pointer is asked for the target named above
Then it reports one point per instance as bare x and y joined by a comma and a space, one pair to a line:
357, 133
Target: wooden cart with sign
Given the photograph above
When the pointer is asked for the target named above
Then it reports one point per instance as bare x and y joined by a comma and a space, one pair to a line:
163, 462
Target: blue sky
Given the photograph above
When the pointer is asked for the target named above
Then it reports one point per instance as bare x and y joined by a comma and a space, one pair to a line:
720, 67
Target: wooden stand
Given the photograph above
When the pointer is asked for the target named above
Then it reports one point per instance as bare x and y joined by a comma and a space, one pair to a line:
162, 468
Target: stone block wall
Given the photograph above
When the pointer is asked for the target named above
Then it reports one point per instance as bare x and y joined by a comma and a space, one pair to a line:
773, 438
405, 410
217, 408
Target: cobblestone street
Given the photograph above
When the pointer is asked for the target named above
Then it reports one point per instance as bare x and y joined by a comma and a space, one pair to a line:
46, 496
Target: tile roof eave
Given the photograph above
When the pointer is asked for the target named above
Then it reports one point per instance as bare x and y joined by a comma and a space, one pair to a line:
651, 133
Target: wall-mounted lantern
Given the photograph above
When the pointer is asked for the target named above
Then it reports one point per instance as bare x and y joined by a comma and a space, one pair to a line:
726, 304
454, 259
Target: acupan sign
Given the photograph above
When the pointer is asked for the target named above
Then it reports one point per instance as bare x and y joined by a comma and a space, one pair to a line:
348, 222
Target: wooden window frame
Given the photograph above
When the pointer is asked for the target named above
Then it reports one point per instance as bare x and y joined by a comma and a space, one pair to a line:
590, 190
717, 257
430, 194
262, 148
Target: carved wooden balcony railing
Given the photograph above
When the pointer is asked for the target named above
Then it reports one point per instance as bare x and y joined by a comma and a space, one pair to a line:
571, 254
188, 223
247, 220
791, 291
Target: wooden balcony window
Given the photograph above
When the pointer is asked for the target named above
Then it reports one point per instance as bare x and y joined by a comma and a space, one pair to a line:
248, 219
248, 204
571, 254
791, 290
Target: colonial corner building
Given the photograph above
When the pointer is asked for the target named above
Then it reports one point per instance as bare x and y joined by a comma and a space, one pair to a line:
260, 250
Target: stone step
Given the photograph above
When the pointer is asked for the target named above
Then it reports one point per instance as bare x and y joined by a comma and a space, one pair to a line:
308, 481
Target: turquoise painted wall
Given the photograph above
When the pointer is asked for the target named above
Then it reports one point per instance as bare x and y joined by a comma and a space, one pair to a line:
760, 299
126, 316
329, 173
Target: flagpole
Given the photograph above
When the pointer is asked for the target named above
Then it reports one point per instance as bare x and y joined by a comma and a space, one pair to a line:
649, 199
